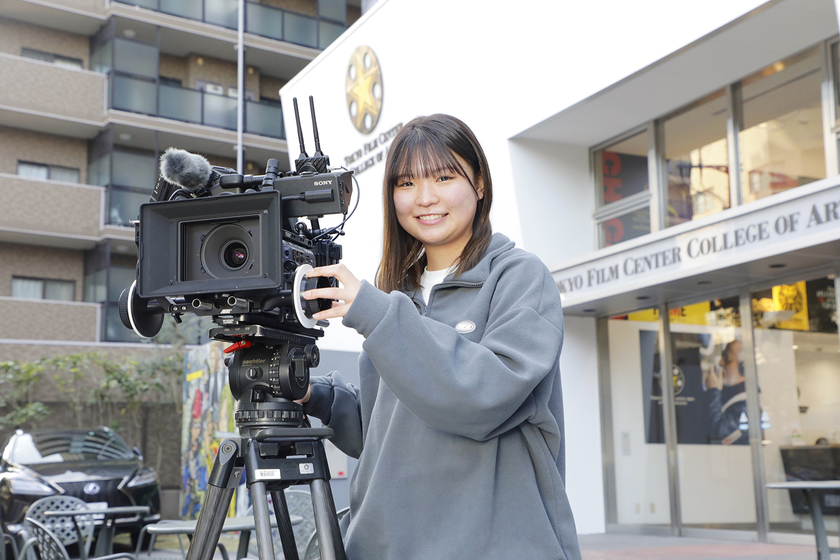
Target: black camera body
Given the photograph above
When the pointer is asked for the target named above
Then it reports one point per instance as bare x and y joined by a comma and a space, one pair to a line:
212, 242
237, 254
243, 245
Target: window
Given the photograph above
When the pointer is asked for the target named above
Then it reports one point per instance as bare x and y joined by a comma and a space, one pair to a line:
621, 171
166, 81
759, 136
797, 359
42, 172
40, 288
56, 59
781, 140
697, 161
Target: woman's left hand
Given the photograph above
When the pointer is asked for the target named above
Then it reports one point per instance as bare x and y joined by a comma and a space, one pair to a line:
346, 293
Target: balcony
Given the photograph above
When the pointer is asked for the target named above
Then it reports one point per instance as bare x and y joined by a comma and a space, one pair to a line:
260, 19
48, 320
147, 97
31, 86
50, 208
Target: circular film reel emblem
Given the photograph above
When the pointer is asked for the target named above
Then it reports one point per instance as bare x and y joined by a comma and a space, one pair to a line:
364, 89
678, 378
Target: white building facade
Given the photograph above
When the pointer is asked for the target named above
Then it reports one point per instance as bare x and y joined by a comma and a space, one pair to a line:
675, 165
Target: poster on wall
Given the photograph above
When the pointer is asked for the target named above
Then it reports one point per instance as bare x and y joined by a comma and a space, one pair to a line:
207, 420
624, 176
709, 390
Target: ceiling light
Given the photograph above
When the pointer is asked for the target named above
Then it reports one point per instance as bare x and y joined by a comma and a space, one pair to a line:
125, 136
795, 347
129, 33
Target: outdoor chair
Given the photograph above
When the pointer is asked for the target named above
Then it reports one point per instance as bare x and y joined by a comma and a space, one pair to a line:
70, 529
299, 503
12, 542
313, 549
49, 544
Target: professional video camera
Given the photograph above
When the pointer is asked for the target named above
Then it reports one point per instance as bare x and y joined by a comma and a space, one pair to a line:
215, 243
212, 242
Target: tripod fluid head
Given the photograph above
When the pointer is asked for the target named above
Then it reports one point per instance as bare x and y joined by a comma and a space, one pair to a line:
268, 369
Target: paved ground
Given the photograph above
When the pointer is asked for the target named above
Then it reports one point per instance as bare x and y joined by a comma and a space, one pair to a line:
638, 547
642, 547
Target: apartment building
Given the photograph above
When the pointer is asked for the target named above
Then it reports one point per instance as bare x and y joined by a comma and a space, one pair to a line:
91, 92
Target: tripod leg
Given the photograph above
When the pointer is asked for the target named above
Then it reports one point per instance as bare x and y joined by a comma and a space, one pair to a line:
326, 523
262, 523
220, 489
284, 525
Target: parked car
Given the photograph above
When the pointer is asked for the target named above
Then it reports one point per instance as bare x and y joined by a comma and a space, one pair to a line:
94, 464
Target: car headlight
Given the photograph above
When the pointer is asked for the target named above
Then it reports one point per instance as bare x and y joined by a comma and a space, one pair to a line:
143, 478
29, 487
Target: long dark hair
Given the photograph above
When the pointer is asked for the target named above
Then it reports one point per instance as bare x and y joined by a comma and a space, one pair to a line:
424, 146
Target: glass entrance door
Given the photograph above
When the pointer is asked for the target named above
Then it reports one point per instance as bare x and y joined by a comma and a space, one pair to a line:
797, 355
714, 457
639, 454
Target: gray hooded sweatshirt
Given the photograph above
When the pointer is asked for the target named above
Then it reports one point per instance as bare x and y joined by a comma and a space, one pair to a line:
458, 420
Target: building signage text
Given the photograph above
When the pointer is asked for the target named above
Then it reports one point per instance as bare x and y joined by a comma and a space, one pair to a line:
372, 152
793, 219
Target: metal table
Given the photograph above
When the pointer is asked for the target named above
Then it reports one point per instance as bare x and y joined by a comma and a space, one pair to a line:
243, 524
105, 539
813, 490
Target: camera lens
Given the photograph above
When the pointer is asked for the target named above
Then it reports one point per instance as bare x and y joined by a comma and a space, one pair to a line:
234, 254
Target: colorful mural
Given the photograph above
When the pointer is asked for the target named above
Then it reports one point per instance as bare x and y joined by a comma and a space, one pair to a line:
207, 420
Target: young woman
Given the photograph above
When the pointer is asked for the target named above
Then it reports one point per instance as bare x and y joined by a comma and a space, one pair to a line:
458, 419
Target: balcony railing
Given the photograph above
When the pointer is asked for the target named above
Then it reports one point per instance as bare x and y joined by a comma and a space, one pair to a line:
50, 207
267, 21
49, 320
193, 106
32, 86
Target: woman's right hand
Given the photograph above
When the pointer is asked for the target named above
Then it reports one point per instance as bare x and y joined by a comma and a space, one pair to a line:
346, 293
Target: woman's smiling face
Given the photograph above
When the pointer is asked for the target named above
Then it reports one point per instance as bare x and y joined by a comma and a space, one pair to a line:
438, 211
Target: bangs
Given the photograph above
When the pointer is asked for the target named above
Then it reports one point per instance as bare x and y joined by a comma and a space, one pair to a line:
422, 155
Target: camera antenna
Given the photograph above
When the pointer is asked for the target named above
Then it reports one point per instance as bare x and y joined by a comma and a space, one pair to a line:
303, 154
318, 152
318, 163
319, 160
303, 158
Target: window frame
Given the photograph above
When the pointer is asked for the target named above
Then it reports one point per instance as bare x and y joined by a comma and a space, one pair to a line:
50, 168
656, 196
608, 211
44, 282
53, 58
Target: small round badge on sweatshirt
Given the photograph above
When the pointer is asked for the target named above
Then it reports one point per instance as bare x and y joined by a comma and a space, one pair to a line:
465, 327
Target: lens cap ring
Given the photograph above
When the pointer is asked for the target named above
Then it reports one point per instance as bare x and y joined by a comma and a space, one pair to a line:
297, 298
142, 322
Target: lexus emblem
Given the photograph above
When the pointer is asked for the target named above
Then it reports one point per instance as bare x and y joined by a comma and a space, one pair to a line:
92, 488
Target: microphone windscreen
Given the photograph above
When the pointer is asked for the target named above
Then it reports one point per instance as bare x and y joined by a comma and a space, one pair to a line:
189, 171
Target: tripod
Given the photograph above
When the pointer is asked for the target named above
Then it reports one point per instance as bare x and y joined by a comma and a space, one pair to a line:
274, 449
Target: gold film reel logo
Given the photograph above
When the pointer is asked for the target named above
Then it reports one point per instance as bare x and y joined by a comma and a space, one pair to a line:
364, 89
